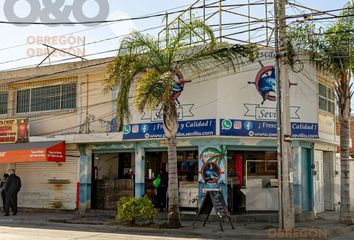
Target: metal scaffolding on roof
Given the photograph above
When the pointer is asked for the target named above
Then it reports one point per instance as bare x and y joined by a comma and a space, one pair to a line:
234, 21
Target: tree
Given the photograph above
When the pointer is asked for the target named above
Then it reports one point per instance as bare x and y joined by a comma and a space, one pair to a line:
332, 51
151, 76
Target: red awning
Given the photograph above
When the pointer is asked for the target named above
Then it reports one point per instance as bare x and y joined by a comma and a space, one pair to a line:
53, 151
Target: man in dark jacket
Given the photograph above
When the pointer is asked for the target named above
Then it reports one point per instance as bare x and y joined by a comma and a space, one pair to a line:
12, 187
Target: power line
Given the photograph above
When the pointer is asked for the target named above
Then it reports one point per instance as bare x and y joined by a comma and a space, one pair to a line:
100, 26
237, 23
108, 39
122, 19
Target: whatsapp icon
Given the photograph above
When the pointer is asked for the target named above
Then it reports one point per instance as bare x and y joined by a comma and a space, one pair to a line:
126, 129
226, 124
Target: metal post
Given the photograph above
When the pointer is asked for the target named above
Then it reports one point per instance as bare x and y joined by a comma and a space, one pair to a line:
286, 208
204, 19
190, 20
220, 20
167, 32
249, 21
266, 18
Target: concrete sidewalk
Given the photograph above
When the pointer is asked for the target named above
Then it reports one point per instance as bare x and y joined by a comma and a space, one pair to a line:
325, 227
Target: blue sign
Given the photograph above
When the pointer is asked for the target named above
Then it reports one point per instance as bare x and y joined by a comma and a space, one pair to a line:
205, 127
252, 128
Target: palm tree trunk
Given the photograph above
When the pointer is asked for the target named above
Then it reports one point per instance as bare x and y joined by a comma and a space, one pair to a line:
344, 216
344, 105
174, 219
170, 127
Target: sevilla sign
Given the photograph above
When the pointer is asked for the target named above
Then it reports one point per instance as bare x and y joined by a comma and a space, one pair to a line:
14, 130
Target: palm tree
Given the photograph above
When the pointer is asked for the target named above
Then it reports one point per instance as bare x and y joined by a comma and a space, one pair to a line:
148, 75
332, 51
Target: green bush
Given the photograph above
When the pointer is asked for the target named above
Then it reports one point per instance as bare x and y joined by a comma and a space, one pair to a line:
131, 209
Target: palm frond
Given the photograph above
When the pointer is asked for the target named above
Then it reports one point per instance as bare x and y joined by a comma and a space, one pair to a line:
150, 89
144, 47
332, 51
154, 70
223, 54
182, 37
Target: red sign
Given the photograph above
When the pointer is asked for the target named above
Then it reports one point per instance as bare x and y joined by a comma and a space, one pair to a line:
33, 152
14, 130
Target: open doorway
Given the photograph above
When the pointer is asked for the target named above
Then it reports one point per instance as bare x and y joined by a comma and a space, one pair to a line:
155, 166
251, 174
110, 179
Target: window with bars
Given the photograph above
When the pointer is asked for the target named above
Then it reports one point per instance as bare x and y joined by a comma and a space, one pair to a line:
48, 98
3, 102
326, 98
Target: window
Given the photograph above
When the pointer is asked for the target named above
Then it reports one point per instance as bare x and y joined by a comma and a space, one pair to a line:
48, 98
3, 102
326, 98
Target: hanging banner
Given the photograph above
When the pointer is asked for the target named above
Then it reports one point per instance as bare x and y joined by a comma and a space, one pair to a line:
212, 167
14, 130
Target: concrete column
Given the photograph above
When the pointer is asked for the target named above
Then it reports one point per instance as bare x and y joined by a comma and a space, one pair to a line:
85, 178
139, 171
11, 103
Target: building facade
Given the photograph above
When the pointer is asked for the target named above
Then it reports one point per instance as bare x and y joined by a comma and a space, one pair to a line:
221, 113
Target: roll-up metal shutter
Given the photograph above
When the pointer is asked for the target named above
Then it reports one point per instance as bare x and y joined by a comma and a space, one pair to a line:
49, 185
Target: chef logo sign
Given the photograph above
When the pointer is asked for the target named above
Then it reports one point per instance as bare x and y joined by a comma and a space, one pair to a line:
260, 116
14, 130
265, 83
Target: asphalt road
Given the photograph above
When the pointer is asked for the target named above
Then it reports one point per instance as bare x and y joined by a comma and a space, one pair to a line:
36, 233
347, 236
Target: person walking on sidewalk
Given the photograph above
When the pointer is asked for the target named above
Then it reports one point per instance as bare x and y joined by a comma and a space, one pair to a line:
12, 187
2, 186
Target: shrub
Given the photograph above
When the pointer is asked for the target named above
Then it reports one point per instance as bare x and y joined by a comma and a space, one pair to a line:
132, 209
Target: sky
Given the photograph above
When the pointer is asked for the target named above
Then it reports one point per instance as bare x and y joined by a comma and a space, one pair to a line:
22, 45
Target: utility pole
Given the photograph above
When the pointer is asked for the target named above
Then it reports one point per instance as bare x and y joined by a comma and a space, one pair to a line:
286, 208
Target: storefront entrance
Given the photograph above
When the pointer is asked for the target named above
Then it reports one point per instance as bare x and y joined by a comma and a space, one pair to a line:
112, 178
187, 164
252, 181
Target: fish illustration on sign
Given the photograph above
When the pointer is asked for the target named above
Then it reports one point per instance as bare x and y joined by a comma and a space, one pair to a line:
213, 165
211, 172
265, 83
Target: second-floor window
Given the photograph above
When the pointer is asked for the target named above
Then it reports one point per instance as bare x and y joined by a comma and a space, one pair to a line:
48, 98
326, 98
3, 102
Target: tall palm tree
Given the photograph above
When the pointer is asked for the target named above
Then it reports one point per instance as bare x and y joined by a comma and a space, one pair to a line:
332, 51
148, 75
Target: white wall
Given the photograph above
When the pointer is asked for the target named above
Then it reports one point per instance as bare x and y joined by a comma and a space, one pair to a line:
218, 93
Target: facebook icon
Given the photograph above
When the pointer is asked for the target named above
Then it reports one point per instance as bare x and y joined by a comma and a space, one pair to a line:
248, 125
144, 128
